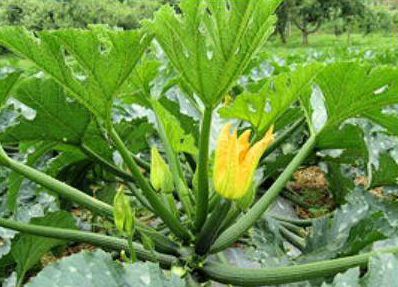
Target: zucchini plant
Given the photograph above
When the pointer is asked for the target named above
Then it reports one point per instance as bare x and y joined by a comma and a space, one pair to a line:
201, 182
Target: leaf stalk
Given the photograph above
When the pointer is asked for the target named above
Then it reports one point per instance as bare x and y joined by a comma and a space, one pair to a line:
202, 200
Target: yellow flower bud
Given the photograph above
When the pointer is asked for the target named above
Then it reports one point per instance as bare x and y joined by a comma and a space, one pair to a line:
161, 176
124, 216
235, 162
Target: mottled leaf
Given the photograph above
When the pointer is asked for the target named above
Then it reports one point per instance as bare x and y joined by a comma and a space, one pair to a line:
97, 269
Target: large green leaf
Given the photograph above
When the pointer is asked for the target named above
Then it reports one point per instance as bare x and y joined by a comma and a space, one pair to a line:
278, 94
346, 92
211, 42
92, 64
7, 82
97, 269
56, 118
351, 90
357, 224
382, 272
27, 250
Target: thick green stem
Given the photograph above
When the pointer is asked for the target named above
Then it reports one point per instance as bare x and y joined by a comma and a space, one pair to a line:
214, 201
158, 207
245, 222
292, 238
299, 231
99, 240
233, 214
202, 200
138, 195
162, 243
282, 275
295, 199
104, 162
62, 189
4, 159
142, 163
211, 228
298, 222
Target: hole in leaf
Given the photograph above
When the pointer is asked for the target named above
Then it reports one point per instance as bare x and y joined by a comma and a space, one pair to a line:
319, 115
27, 112
209, 55
381, 90
252, 108
268, 106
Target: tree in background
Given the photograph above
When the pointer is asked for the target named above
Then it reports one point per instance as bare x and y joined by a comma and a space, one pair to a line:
55, 14
309, 15
349, 11
283, 20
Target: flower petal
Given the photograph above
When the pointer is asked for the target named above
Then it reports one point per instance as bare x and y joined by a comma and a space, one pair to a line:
244, 144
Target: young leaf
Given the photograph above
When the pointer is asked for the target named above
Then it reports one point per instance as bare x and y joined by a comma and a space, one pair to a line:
92, 64
97, 269
264, 108
209, 57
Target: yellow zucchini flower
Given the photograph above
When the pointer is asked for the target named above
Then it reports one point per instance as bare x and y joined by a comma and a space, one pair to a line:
235, 162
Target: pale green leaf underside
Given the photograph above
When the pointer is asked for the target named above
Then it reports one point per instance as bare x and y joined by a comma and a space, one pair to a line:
264, 108
92, 65
56, 118
213, 42
97, 269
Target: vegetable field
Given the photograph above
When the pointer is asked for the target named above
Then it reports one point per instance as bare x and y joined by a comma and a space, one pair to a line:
189, 152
